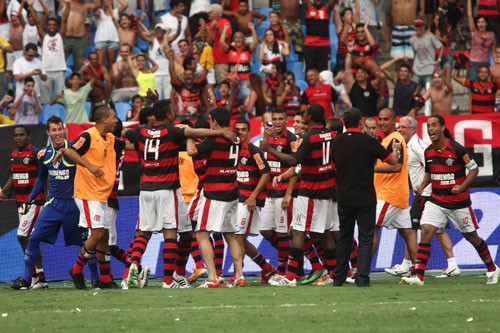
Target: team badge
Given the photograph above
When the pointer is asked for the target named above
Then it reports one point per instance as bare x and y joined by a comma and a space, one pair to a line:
26, 160
244, 160
449, 161
279, 148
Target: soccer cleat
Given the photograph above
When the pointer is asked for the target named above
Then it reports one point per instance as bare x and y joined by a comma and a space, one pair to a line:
209, 284
94, 283
197, 274
449, 272
143, 277
132, 276
40, 285
233, 283
398, 270
273, 280
108, 285
412, 280
182, 281
350, 280
284, 282
492, 277
314, 275
173, 285
78, 279
20, 284
323, 281
221, 280
266, 273
124, 284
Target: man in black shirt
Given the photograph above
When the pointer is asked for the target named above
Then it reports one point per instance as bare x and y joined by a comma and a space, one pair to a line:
354, 154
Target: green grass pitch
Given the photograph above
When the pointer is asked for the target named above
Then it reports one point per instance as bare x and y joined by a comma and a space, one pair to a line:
463, 304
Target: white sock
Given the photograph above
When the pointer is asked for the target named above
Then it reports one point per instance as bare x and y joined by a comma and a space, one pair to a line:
451, 262
406, 263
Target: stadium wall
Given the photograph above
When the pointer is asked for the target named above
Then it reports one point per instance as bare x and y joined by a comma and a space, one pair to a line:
57, 258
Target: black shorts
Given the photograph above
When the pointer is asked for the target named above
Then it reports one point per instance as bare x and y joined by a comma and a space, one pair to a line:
416, 209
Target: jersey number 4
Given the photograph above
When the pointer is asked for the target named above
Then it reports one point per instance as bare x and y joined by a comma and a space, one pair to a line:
233, 153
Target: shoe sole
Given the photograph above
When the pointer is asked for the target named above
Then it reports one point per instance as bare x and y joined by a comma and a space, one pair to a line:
313, 278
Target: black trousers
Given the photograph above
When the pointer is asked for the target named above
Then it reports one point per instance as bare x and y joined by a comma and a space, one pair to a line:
364, 216
317, 57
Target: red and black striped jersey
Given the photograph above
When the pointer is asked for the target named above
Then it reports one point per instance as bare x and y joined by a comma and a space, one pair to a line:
487, 8
239, 61
24, 167
314, 153
190, 97
364, 50
200, 169
251, 166
351, 35
158, 147
273, 83
224, 102
482, 97
291, 104
279, 33
447, 169
222, 160
281, 143
317, 27
113, 197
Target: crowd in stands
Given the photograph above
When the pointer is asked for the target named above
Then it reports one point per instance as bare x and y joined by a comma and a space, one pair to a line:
130, 53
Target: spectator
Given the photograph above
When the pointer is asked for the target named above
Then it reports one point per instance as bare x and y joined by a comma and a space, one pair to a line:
441, 29
10, 119
317, 40
5, 48
181, 53
74, 99
255, 104
424, 45
338, 86
280, 33
495, 68
289, 99
92, 69
143, 75
73, 29
239, 57
274, 84
365, 50
226, 100
490, 10
28, 65
127, 28
371, 128
132, 8
176, 23
482, 91
16, 41
292, 24
202, 54
27, 105
198, 12
214, 29
137, 105
125, 85
319, 93
482, 42
440, 94
106, 35
271, 51
404, 88
345, 22
53, 61
243, 18
33, 27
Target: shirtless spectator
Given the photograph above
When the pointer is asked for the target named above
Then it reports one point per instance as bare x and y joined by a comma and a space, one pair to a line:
440, 94
291, 21
244, 16
28, 65
184, 49
495, 68
73, 28
214, 29
16, 41
125, 85
53, 61
176, 23
33, 26
404, 88
127, 28
403, 15
92, 70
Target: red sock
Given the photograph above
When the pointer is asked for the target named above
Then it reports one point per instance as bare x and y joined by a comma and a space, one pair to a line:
105, 271
283, 253
169, 255
83, 256
293, 262
311, 254
118, 253
423, 254
260, 260
138, 248
484, 253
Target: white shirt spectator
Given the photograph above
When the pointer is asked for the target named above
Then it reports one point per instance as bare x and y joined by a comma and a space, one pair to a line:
22, 66
106, 29
416, 163
171, 23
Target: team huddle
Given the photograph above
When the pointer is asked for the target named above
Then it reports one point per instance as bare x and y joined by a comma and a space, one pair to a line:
302, 192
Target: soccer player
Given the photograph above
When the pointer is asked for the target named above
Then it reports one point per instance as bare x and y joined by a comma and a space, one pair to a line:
24, 167
94, 152
219, 206
160, 198
391, 184
313, 207
276, 213
253, 176
446, 162
60, 208
416, 162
